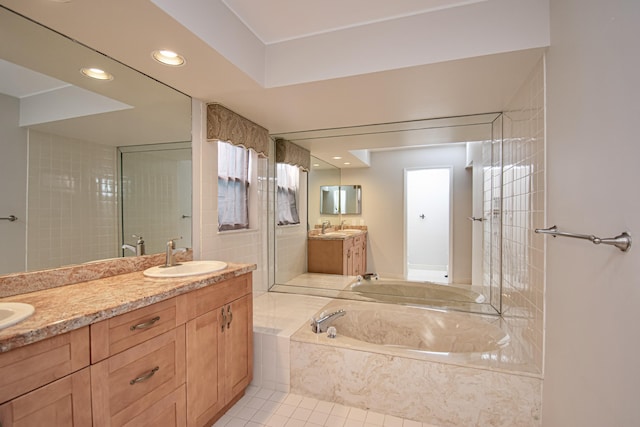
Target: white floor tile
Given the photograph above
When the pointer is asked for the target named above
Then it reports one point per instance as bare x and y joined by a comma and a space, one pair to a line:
265, 407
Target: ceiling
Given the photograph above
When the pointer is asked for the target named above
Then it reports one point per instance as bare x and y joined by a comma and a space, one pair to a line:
275, 21
293, 66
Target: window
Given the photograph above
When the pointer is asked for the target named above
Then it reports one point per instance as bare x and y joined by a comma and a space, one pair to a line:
234, 170
287, 193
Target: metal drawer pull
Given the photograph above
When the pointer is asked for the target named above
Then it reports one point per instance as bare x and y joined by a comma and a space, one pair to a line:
144, 325
145, 377
224, 319
229, 317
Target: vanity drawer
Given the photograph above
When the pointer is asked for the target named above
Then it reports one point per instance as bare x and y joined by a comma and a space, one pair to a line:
206, 299
119, 333
32, 366
128, 384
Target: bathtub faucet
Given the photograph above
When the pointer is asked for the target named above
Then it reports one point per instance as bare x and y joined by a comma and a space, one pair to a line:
369, 276
321, 324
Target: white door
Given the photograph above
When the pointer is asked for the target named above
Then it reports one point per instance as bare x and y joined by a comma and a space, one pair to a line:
427, 224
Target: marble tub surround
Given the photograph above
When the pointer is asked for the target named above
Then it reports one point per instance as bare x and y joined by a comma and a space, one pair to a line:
65, 308
435, 393
495, 387
20, 283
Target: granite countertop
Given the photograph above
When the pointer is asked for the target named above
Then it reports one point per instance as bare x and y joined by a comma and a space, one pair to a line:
335, 234
62, 309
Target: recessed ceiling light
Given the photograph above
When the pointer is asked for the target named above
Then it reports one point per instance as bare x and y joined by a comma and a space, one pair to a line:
96, 73
168, 57
336, 157
346, 163
316, 165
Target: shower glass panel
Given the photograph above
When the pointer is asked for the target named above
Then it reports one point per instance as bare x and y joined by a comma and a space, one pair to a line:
156, 195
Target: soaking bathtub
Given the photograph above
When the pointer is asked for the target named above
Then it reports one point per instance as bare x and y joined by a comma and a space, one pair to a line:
430, 365
400, 291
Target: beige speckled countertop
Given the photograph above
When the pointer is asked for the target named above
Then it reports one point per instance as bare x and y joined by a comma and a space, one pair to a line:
335, 234
65, 308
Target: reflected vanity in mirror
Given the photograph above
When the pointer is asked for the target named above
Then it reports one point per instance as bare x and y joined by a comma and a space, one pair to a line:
63, 173
378, 157
340, 199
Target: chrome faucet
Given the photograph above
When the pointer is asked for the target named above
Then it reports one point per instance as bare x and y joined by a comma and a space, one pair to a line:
321, 324
325, 224
138, 249
171, 245
342, 224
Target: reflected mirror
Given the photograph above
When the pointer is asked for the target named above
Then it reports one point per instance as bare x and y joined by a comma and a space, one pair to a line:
63, 135
340, 199
380, 157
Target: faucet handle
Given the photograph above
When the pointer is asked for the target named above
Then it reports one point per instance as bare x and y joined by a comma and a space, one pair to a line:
172, 242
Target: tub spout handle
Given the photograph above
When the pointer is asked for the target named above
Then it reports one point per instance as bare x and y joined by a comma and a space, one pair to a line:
320, 324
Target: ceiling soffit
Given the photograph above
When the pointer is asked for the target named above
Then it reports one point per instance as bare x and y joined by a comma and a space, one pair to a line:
475, 29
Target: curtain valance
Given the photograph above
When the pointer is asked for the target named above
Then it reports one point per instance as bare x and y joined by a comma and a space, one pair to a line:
225, 125
288, 152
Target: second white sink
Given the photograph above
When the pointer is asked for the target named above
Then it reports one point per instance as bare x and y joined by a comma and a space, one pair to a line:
14, 312
188, 268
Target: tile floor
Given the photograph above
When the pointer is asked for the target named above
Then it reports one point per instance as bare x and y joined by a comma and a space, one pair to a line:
261, 407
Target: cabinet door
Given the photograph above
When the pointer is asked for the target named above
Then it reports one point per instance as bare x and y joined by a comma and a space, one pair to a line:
238, 346
63, 403
205, 367
363, 255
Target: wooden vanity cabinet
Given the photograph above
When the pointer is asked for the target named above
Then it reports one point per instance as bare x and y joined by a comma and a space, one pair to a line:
48, 383
345, 256
178, 362
219, 349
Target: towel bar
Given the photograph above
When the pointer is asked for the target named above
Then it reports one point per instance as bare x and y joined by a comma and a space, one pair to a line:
621, 241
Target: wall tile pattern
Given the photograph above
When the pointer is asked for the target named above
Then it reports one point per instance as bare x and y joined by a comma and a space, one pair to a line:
523, 211
72, 194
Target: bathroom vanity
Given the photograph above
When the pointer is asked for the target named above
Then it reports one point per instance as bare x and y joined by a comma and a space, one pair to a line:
337, 252
130, 350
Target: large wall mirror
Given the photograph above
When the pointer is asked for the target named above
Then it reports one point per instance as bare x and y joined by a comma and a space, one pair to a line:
76, 151
381, 158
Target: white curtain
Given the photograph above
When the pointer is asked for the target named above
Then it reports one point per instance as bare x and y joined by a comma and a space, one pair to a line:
287, 193
233, 187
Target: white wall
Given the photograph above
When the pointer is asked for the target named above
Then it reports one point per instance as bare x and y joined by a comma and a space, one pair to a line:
13, 186
383, 206
593, 292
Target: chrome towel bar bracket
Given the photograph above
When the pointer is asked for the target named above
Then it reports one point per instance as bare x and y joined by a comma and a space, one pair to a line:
621, 241
10, 218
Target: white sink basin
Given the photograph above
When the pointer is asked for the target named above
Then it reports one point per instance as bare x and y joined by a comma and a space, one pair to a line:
352, 231
14, 312
188, 268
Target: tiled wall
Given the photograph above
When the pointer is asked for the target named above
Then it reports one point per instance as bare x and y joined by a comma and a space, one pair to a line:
72, 194
156, 189
523, 192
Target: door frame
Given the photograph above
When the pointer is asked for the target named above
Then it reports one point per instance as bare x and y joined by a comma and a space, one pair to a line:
405, 215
